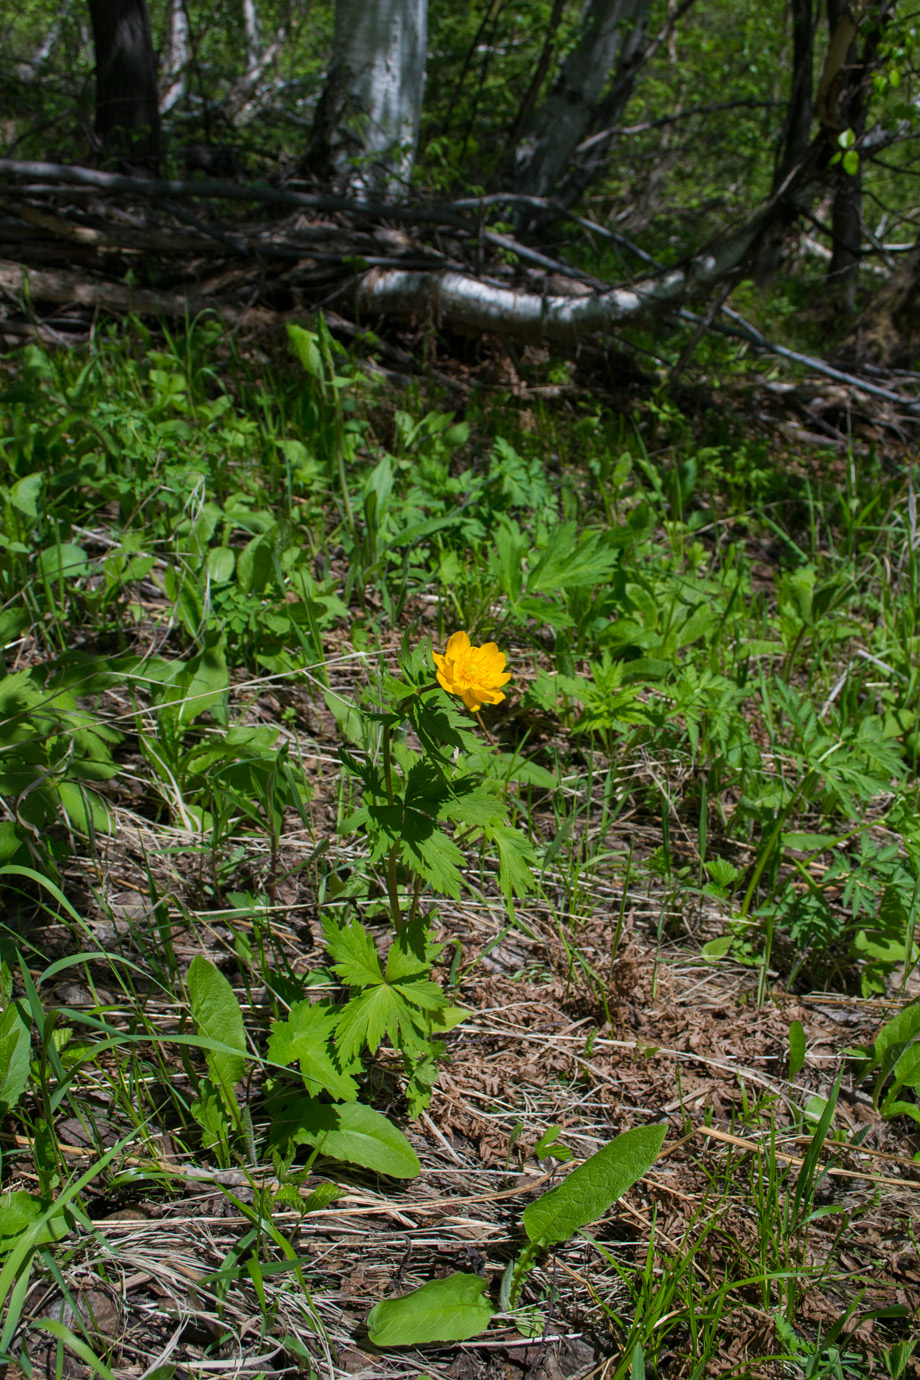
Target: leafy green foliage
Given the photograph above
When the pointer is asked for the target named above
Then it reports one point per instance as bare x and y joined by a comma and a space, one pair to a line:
443, 1310
588, 1191
217, 1016
306, 1039
350, 1132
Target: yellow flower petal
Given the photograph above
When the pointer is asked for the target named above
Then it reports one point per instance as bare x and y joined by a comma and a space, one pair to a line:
472, 673
457, 645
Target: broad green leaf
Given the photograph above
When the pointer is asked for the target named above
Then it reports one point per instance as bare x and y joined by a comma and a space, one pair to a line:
220, 563
217, 1015
207, 683
84, 808
305, 1038
11, 840
894, 1037
443, 1310
892, 1107
306, 348
15, 1052
593, 1187
810, 843
906, 1070
796, 1049
62, 561
25, 493
210, 1111
19, 1210
349, 1132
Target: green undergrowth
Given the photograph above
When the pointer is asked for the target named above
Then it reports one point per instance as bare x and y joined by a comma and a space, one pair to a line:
222, 575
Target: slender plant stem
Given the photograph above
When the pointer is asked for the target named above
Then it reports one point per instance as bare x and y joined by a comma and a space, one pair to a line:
392, 888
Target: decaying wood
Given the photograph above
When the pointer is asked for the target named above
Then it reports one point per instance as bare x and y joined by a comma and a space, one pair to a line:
70, 236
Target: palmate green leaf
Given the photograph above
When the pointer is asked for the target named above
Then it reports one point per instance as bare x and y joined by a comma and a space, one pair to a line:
350, 1132
572, 563
473, 804
412, 952
443, 1310
433, 856
305, 1038
217, 1015
424, 849
404, 1012
366, 1019
354, 956
516, 860
441, 726
593, 1187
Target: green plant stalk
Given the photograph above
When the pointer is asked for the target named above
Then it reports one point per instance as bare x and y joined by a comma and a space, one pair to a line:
393, 857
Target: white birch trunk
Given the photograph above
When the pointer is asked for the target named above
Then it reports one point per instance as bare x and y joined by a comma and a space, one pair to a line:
367, 123
253, 37
175, 62
611, 34
469, 304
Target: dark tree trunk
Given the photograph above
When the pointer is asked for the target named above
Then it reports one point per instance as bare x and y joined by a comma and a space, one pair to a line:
844, 93
127, 113
796, 135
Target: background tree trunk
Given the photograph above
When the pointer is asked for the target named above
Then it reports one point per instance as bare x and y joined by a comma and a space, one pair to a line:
796, 135
367, 122
176, 55
253, 35
611, 35
127, 107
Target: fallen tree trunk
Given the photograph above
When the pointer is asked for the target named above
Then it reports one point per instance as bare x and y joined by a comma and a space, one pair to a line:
468, 303
56, 219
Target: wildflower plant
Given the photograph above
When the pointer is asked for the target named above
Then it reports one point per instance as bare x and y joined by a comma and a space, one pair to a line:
431, 797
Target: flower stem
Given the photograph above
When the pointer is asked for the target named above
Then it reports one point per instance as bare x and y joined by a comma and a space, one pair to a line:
392, 888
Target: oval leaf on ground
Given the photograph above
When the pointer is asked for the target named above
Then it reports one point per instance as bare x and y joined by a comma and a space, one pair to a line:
20, 1210
590, 1189
352, 1133
64, 560
15, 1057
217, 1015
443, 1310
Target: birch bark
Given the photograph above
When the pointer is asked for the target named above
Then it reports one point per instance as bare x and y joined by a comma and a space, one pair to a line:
612, 34
367, 122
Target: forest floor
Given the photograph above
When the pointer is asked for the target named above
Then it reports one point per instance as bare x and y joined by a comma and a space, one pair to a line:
777, 1232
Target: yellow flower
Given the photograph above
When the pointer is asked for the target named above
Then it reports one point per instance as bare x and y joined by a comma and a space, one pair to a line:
473, 673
